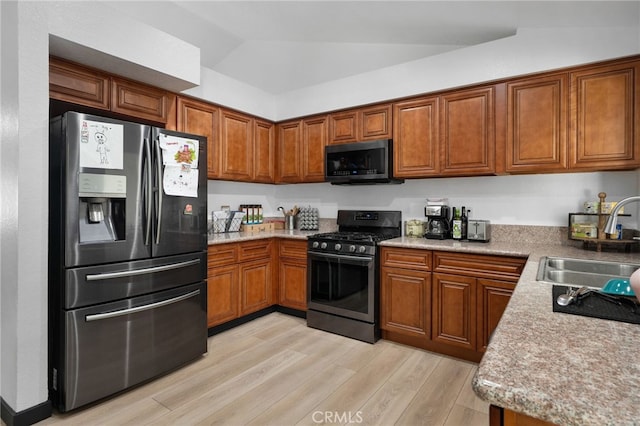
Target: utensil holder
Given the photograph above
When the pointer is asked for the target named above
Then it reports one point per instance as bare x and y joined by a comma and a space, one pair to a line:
290, 221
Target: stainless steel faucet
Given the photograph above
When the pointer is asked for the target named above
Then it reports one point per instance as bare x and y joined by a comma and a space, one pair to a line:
610, 227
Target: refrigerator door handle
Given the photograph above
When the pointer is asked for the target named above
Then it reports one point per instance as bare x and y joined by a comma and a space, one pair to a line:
159, 193
107, 315
148, 190
162, 268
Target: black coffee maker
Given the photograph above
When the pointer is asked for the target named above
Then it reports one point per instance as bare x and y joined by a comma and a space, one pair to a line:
438, 225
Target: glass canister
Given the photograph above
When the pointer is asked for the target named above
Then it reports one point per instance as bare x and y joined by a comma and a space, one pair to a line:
414, 228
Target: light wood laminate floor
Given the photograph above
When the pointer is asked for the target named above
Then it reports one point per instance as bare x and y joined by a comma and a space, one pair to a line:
276, 371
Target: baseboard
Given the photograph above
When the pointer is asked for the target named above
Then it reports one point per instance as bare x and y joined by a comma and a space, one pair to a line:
25, 417
291, 311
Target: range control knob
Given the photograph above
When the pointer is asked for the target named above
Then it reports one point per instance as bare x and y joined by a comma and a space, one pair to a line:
323, 245
352, 248
362, 249
338, 246
315, 244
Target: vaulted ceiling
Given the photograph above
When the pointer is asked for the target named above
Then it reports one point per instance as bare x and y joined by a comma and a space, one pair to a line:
279, 46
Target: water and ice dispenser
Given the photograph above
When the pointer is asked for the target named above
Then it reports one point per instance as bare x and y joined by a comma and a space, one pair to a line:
102, 207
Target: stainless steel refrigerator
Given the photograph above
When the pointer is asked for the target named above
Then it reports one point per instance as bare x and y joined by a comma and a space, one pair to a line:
127, 255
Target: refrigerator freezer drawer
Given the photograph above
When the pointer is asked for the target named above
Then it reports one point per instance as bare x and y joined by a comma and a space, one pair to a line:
91, 285
111, 347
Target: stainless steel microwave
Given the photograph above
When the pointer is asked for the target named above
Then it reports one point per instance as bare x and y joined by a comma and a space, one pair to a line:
360, 163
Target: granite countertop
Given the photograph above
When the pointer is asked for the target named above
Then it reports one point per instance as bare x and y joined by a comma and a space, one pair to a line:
562, 368
234, 237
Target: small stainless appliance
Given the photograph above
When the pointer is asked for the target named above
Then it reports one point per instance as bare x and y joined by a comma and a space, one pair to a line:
127, 255
438, 225
342, 274
479, 230
360, 163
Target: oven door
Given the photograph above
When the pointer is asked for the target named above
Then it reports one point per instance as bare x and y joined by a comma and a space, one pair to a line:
342, 285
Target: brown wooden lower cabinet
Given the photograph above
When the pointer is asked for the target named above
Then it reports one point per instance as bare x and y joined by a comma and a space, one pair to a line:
249, 276
292, 275
499, 416
452, 310
239, 280
255, 286
405, 300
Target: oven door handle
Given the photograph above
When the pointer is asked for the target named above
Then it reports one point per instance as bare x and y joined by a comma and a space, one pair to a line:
106, 315
342, 256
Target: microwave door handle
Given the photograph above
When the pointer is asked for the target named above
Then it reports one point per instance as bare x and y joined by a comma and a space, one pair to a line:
107, 315
159, 192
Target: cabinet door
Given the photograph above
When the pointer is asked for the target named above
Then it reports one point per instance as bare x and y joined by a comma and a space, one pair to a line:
314, 139
493, 297
376, 122
222, 294
78, 85
139, 100
405, 300
467, 132
255, 286
264, 152
201, 119
454, 310
289, 158
236, 146
293, 283
604, 107
343, 127
415, 136
537, 124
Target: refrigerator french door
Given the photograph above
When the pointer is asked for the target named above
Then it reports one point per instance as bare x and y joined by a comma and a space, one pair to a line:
127, 255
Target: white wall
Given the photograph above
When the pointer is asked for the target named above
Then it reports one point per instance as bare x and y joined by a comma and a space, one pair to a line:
530, 50
26, 27
23, 154
24, 213
512, 200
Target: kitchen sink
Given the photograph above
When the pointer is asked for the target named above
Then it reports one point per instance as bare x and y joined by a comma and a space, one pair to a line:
590, 273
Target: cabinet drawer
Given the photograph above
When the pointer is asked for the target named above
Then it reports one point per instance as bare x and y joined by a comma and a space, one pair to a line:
222, 254
254, 250
293, 249
407, 258
477, 265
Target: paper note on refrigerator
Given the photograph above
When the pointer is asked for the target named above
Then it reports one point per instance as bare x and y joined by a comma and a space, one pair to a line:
177, 150
181, 181
180, 160
101, 145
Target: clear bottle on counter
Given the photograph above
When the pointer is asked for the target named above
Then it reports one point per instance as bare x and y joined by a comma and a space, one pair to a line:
456, 228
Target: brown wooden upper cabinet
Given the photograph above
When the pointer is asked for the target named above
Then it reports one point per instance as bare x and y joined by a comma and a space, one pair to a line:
236, 146
605, 117
203, 119
362, 124
537, 111
289, 164
467, 132
73, 83
264, 147
301, 150
140, 100
415, 138
80, 85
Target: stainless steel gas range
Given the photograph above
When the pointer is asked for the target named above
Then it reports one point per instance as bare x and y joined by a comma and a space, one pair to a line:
343, 273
